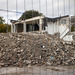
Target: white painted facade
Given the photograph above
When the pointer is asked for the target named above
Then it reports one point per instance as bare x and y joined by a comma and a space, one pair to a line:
63, 29
52, 28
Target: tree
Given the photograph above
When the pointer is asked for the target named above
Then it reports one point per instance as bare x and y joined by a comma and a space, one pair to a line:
3, 27
29, 14
2, 20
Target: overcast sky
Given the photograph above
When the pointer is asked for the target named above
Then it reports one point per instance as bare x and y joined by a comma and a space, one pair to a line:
52, 7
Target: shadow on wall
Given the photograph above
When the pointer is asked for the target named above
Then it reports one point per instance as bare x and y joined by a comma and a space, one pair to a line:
34, 27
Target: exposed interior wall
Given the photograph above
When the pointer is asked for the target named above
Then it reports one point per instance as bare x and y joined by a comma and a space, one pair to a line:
72, 23
32, 27
19, 27
73, 28
33, 24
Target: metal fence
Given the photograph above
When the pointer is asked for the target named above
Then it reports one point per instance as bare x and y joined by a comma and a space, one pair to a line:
12, 10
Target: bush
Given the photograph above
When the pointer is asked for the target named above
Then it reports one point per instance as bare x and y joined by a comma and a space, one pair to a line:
72, 29
3, 28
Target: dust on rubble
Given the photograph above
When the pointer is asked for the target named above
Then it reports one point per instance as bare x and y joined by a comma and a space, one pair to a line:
22, 49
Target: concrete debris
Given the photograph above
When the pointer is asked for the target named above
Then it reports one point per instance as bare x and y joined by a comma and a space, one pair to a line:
21, 49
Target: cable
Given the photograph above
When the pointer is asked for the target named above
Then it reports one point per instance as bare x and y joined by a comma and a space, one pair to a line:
53, 23
25, 44
69, 7
39, 38
58, 8
46, 7
40, 6
33, 39
58, 29
7, 16
70, 30
25, 8
64, 6
46, 51
74, 7
10, 11
74, 52
16, 31
52, 9
64, 48
32, 15
7, 31
16, 9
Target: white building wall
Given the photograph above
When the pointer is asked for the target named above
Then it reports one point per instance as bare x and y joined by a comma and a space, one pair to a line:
63, 29
55, 27
52, 28
68, 38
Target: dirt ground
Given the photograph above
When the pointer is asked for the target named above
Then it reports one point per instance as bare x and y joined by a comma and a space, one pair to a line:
38, 70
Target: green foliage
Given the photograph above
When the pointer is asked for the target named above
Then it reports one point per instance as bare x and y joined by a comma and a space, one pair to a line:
2, 20
29, 14
3, 27
72, 29
9, 28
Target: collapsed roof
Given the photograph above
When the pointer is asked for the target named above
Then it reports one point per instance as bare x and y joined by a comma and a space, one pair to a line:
46, 19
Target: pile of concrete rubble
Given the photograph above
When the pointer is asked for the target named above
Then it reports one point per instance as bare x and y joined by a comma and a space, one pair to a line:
21, 49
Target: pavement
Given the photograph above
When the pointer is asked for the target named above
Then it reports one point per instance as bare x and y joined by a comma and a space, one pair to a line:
38, 70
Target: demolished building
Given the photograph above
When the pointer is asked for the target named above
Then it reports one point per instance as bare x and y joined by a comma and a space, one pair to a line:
62, 25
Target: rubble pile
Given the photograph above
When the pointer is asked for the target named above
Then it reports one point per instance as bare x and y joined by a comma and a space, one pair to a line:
21, 49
